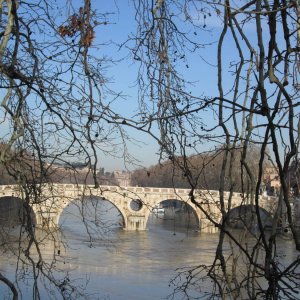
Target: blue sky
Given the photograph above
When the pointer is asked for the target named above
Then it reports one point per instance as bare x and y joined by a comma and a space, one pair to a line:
122, 73
201, 71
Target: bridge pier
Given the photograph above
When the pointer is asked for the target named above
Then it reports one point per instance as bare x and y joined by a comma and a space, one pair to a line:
45, 219
207, 226
136, 222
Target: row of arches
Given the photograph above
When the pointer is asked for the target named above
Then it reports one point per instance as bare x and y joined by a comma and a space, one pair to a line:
107, 214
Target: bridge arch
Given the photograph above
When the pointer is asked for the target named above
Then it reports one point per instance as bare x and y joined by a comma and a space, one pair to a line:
196, 213
245, 216
67, 201
14, 210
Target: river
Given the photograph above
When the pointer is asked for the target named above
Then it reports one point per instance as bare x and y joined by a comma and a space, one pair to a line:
112, 264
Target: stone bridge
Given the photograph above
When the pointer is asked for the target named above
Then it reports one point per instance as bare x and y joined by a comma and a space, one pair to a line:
134, 203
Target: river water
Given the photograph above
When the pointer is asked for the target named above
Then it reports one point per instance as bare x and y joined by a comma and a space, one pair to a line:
106, 262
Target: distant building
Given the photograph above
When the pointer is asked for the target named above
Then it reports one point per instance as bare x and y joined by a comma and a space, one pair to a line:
271, 181
101, 171
294, 178
123, 178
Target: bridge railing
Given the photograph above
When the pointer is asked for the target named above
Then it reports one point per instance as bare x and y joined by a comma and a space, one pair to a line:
209, 194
